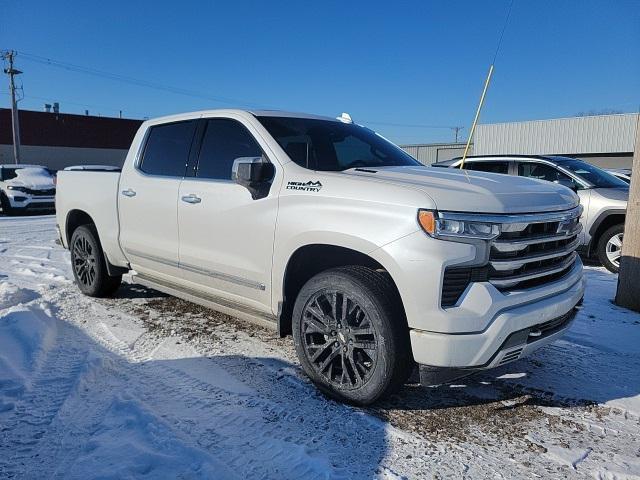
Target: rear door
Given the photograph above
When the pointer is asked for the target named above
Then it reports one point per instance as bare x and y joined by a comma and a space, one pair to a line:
148, 196
226, 236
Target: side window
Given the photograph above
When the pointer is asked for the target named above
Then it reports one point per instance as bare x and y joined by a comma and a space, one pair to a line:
167, 150
224, 141
491, 167
541, 172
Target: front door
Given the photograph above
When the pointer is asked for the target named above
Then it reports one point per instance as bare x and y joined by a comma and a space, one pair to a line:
148, 198
226, 236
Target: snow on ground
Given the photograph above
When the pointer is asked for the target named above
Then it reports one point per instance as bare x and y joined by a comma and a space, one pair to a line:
149, 386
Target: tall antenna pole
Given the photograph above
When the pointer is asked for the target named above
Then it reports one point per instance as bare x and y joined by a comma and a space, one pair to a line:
475, 120
15, 121
486, 86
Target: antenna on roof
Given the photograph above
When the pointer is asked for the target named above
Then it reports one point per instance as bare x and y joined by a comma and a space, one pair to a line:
345, 118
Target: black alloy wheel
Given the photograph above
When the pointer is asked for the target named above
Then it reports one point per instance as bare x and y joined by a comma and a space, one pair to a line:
89, 264
83, 259
339, 339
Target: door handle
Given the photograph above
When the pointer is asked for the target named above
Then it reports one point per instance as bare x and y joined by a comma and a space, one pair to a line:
191, 198
129, 192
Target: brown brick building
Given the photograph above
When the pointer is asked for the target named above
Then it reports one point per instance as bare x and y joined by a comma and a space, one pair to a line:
57, 140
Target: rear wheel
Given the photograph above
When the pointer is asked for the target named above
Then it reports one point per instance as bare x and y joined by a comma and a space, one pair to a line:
89, 265
351, 336
610, 248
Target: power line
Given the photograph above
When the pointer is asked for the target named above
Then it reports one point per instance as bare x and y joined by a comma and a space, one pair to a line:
133, 81
504, 28
409, 125
80, 104
182, 91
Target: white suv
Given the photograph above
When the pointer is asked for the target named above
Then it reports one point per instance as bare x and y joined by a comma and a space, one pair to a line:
26, 188
603, 195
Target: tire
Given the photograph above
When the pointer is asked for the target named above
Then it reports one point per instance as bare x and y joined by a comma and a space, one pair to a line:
89, 265
359, 357
609, 248
7, 209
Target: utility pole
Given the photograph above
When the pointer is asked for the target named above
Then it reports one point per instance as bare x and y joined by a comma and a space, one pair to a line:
628, 294
9, 55
456, 130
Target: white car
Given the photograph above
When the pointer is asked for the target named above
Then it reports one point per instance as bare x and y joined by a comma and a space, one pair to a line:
323, 229
26, 188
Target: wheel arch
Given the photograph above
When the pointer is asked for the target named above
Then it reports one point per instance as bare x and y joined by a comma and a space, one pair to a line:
311, 259
603, 222
77, 218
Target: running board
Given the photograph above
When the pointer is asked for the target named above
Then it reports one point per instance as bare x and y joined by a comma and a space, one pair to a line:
213, 302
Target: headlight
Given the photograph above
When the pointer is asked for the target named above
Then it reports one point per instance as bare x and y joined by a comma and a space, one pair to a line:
17, 189
441, 225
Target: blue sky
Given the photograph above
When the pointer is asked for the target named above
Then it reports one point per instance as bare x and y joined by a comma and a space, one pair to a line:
394, 63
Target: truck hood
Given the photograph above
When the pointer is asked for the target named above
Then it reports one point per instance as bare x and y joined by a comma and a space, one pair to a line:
468, 191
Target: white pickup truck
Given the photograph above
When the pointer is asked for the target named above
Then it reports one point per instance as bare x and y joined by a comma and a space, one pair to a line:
325, 230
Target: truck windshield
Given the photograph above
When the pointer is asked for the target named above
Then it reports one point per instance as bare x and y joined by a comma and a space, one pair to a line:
592, 174
327, 145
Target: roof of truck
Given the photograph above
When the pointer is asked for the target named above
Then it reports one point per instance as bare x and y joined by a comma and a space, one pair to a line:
257, 113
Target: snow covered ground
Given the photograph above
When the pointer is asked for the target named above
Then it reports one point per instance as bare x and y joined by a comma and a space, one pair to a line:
148, 386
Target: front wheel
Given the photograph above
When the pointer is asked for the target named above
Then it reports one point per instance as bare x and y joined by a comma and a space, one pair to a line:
7, 209
89, 265
351, 336
610, 248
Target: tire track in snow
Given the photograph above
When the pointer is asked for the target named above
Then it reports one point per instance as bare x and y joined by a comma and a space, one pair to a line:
35, 410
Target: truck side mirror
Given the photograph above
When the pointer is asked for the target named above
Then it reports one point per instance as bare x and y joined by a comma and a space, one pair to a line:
253, 173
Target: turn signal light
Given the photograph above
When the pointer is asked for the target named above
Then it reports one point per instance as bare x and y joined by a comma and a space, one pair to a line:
427, 221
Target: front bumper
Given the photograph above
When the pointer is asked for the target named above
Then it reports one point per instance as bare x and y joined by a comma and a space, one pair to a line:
26, 201
504, 339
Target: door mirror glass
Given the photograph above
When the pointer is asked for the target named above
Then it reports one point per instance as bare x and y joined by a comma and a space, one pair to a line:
253, 173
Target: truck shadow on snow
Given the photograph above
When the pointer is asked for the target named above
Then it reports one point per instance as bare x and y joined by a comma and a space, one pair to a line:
83, 409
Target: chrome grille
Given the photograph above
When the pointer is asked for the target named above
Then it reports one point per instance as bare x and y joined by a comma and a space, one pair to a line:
534, 249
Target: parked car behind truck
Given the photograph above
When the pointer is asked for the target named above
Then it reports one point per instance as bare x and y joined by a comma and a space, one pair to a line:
322, 229
26, 188
603, 196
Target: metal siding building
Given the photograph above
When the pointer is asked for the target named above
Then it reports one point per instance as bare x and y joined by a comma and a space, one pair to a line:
604, 140
435, 152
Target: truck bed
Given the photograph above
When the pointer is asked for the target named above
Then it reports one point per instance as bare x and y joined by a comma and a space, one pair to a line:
96, 193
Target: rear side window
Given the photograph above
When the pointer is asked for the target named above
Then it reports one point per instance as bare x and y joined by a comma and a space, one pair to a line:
167, 150
541, 171
491, 167
224, 141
